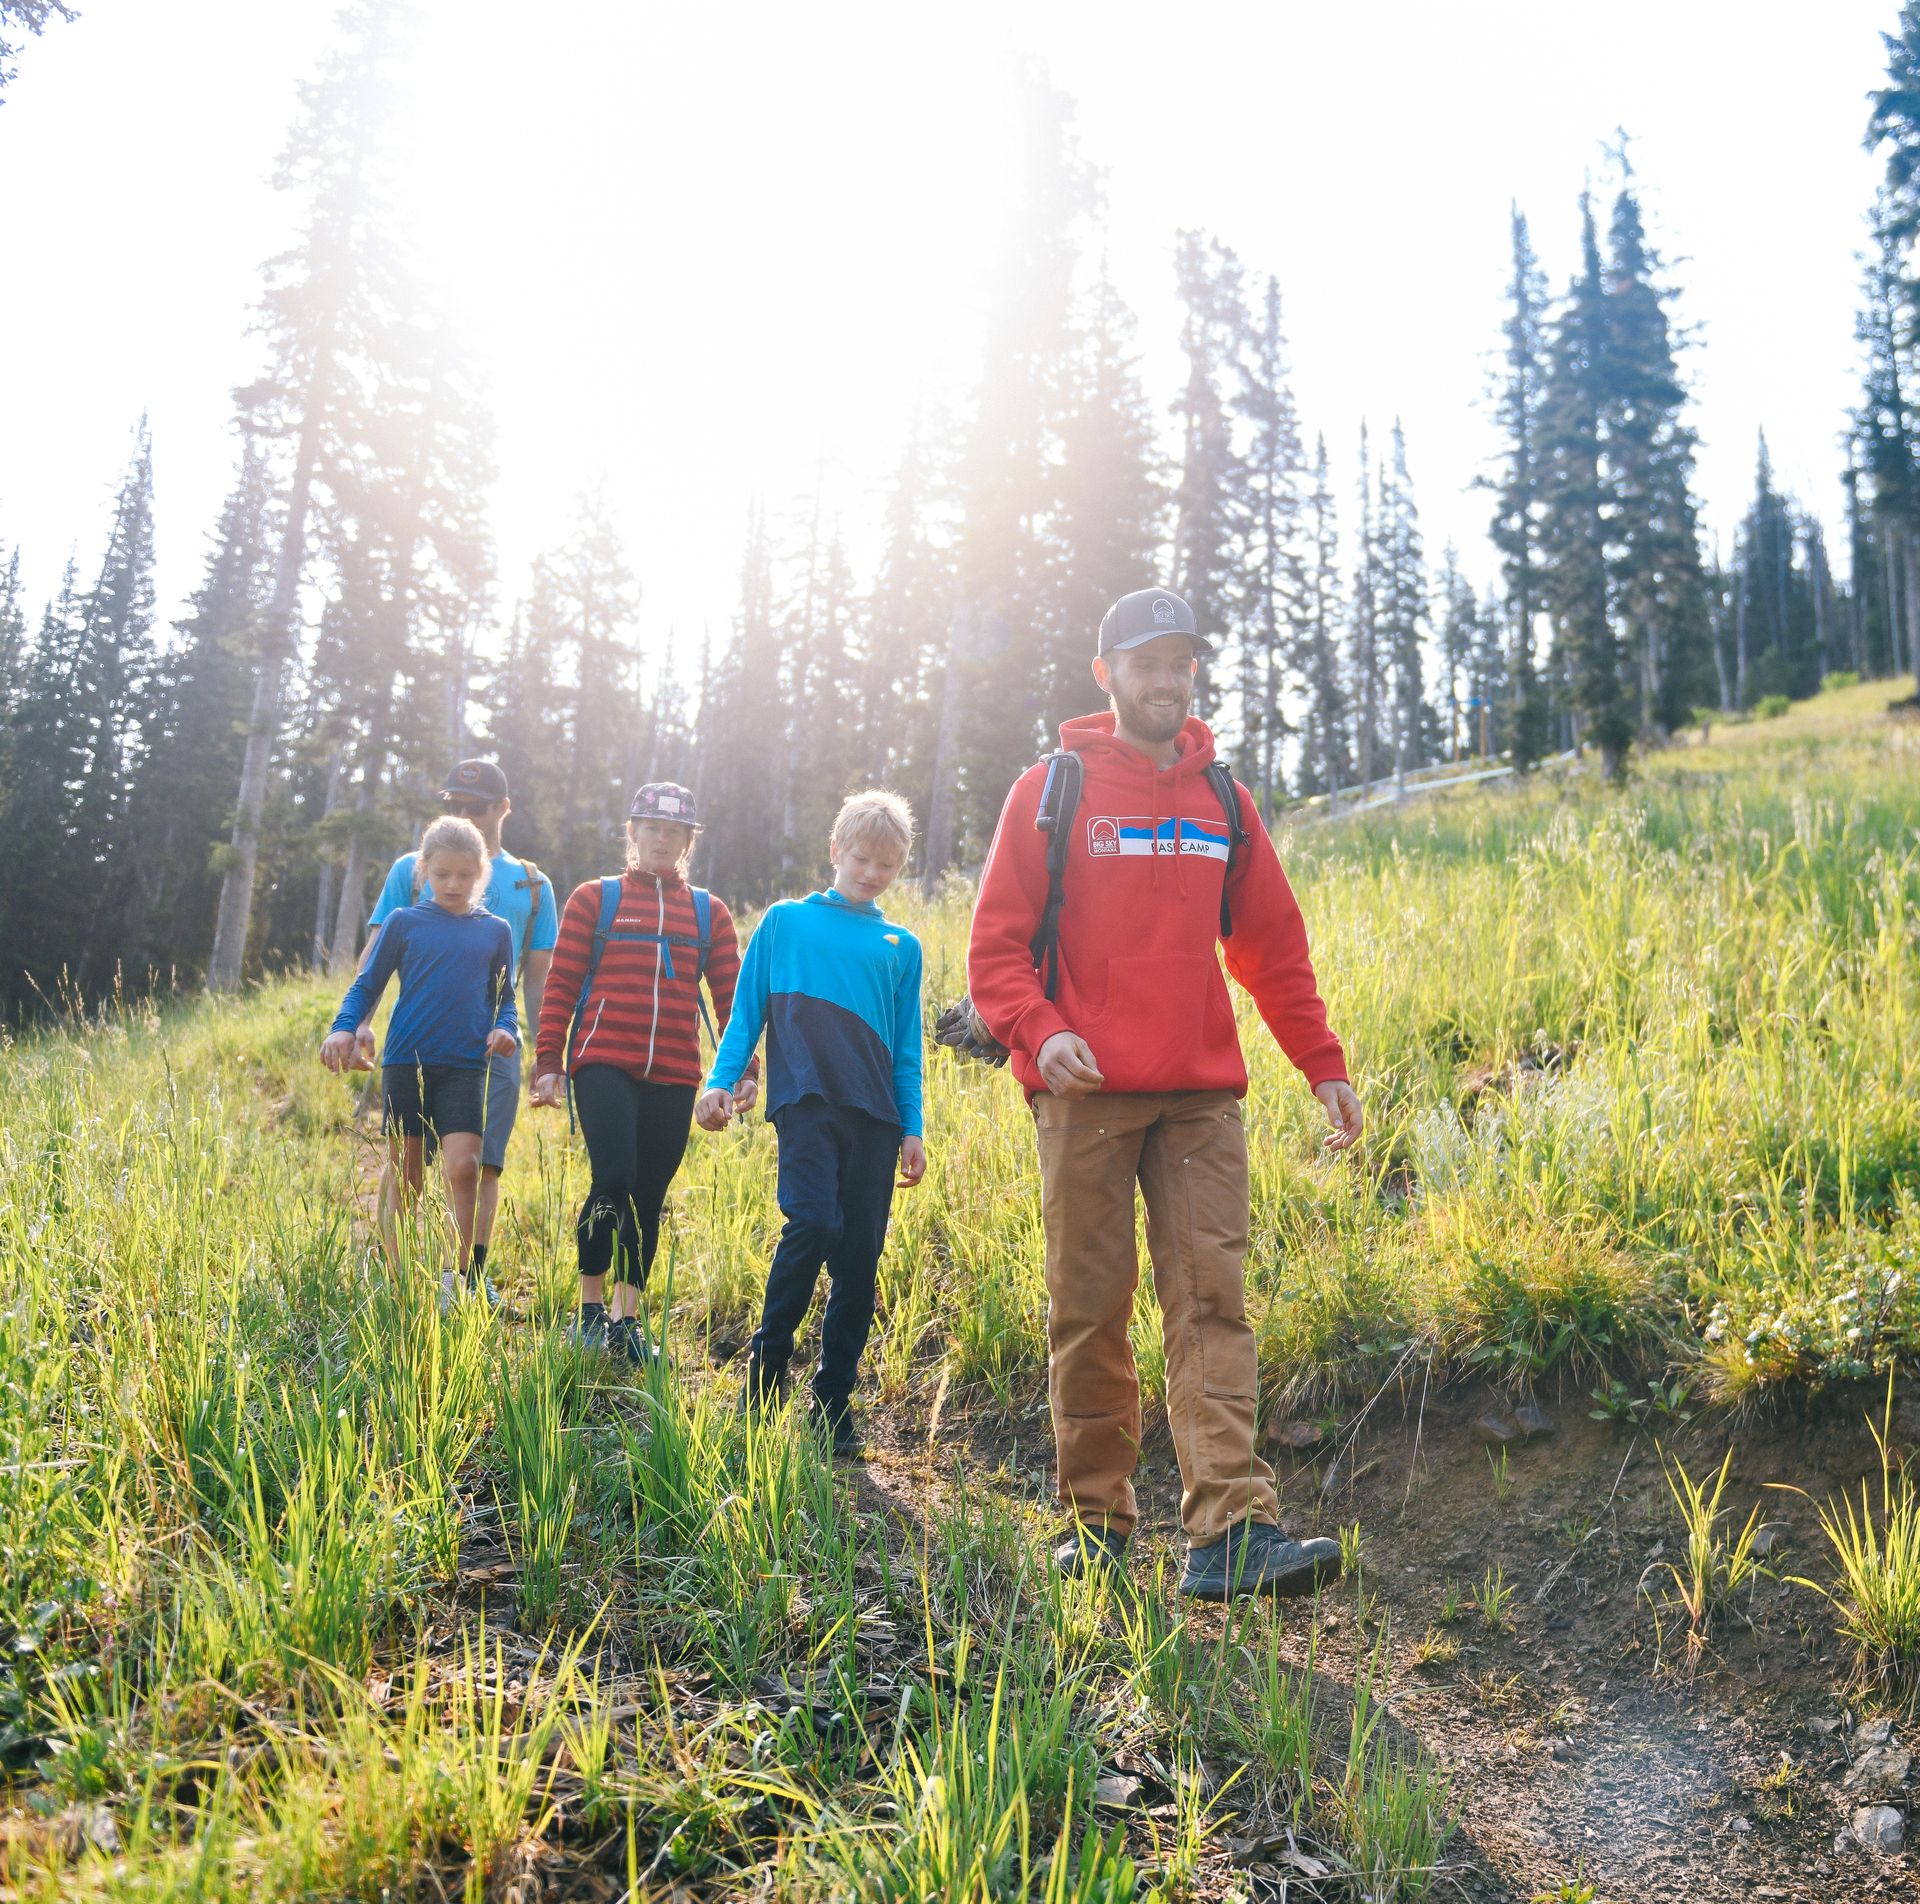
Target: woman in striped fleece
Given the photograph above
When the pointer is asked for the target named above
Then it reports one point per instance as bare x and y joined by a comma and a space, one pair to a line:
631, 1047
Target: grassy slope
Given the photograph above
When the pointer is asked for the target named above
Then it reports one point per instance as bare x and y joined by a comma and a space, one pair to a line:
1639, 1075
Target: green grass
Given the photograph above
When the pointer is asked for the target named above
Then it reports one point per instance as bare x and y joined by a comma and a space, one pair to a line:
314, 1591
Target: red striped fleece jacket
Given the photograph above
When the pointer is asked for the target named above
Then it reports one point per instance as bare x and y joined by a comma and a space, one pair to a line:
637, 1018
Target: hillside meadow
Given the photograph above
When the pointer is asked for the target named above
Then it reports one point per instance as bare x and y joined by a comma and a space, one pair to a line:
310, 1591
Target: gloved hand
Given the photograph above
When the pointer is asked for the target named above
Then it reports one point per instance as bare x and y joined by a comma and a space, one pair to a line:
960, 1029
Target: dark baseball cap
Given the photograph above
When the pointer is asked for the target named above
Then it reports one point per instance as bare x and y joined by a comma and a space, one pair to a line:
664, 800
475, 780
1146, 614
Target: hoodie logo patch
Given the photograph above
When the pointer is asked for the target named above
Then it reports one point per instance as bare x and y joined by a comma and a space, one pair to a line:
1139, 838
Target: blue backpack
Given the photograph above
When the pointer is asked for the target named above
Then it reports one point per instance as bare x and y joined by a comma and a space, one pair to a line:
604, 934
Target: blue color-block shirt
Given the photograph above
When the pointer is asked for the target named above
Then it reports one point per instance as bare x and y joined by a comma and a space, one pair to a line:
532, 918
836, 987
456, 986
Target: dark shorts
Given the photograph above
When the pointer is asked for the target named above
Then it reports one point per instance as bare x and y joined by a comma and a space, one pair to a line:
501, 1108
432, 1101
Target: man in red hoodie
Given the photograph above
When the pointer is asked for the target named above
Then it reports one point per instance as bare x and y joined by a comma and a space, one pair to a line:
1130, 1058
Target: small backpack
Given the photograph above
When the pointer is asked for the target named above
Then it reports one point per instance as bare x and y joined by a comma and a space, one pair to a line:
1060, 801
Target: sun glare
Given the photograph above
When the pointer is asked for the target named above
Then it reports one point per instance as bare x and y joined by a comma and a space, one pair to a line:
699, 267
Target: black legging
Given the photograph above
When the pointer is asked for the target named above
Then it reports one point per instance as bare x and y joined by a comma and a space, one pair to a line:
636, 1135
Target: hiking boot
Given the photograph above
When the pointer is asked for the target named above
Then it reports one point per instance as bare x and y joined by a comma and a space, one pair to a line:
1092, 1552
837, 1422
1255, 1557
764, 1391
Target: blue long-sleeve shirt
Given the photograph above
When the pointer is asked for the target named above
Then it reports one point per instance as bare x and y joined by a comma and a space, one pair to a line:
456, 986
835, 985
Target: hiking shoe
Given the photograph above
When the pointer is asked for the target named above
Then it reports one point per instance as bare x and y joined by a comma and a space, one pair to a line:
1255, 1557
588, 1333
455, 1288
837, 1422
1092, 1552
626, 1343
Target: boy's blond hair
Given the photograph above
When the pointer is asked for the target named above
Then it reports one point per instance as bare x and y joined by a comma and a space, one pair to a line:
451, 834
868, 817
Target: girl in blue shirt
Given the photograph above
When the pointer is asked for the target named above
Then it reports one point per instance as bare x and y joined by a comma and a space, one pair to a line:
456, 1010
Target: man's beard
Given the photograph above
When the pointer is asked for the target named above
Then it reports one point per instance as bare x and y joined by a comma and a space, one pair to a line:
1147, 722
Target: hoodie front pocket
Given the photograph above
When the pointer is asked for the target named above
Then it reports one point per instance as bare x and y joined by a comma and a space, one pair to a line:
1156, 1007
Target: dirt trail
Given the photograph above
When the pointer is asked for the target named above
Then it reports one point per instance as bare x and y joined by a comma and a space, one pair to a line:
1580, 1740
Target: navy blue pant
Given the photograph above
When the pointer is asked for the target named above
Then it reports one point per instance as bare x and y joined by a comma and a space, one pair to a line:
835, 1188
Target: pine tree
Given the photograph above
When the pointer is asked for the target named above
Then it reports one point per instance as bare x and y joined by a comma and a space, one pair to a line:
1401, 606
583, 609
31, 16
1574, 502
1888, 434
1777, 608
904, 652
1894, 125
46, 894
117, 671
1323, 737
1008, 476
1108, 528
74, 737
1490, 686
324, 311
1515, 527
13, 635
1268, 585
527, 730
1207, 526
1654, 548
407, 535
1364, 652
741, 720
182, 792
1459, 642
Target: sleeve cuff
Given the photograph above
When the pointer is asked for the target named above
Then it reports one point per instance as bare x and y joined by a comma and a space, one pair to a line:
1035, 1028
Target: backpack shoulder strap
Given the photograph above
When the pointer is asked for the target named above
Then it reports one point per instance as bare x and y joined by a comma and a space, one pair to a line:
535, 880
703, 925
602, 931
1220, 779
1059, 802
603, 927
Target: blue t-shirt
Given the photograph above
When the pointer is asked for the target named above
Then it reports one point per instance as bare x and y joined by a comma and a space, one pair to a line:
510, 896
456, 986
835, 985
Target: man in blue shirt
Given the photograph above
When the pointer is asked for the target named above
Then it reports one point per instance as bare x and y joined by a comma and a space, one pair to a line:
518, 892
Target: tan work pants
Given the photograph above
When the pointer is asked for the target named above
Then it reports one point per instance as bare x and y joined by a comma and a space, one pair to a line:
1188, 1153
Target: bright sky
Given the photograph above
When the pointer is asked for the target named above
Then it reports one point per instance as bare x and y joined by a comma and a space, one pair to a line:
704, 252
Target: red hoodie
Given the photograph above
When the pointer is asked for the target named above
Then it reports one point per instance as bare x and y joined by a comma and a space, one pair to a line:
1139, 926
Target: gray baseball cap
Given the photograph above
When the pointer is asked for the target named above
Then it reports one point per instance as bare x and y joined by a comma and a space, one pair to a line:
1145, 615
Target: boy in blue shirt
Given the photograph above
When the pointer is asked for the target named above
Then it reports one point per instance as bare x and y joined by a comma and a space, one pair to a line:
455, 1014
518, 892
836, 987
